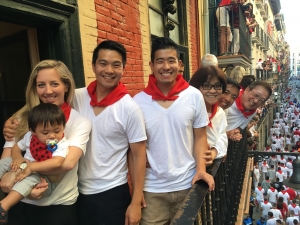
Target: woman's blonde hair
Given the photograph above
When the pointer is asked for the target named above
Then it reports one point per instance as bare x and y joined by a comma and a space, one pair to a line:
237, 73
32, 99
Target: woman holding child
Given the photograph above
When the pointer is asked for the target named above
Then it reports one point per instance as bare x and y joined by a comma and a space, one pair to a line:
50, 82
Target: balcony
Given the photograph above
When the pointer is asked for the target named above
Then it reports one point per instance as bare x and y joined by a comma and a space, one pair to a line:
259, 3
263, 10
255, 35
239, 51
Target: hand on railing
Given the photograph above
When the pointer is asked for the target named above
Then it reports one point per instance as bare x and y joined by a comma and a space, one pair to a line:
202, 175
234, 135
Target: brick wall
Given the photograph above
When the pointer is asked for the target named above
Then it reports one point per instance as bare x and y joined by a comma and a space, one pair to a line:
193, 48
119, 20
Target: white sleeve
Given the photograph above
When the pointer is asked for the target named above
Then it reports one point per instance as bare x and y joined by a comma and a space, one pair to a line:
201, 119
221, 143
25, 141
135, 127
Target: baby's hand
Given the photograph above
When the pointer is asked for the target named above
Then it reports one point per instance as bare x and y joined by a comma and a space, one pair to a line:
15, 165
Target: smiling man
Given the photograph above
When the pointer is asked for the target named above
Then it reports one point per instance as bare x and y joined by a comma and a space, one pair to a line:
176, 119
117, 124
244, 107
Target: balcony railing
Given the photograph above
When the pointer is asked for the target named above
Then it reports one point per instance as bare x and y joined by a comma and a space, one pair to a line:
243, 33
221, 206
258, 3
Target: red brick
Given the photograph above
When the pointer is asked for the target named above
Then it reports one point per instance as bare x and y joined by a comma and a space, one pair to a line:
138, 79
132, 4
109, 6
102, 10
113, 37
100, 17
103, 26
102, 34
118, 32
126, 7
116, 16
99, 2
122, 12
137, 67
124, 41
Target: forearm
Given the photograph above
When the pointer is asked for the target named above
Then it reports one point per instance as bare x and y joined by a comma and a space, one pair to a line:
6, 153
48, 165
138, 178
15, 152
200, 146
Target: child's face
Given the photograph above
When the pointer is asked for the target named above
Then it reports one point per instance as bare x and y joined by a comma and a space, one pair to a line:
49, 132
211, 96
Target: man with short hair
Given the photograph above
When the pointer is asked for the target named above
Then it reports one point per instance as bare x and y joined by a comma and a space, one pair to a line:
294, 207
176, 118
265, 207
291, 218
276, 212
271, 220
117, 124
244, 108
272, 193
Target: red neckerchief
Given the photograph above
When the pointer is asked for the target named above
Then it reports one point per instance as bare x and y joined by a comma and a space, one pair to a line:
265, 163
39, 150
259, 188
266, 201
272, 189
268, 181
66, 108
294, 205
240, 107
283, 192
110, 99
213, 113
279, 171
290, 161
153, 90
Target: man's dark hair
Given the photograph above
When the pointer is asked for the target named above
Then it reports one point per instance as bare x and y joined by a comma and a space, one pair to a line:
160, 43
267, 177
45, 114
247, 80
270, 214
233, 82
110, 45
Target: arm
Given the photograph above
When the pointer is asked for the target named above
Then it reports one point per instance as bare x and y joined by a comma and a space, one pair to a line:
200, 150
41, 167
16, 157
221, 143
9, 129
137, 167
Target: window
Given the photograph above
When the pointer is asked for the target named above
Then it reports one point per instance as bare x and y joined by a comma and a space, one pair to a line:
168, 19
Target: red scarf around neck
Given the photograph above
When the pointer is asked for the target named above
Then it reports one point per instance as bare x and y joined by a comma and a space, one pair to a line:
240, 106
266, 201
294, 205
259, 188
213, 113
66, 108
114, 96
272, 189
153, 90
279, 171
283, 191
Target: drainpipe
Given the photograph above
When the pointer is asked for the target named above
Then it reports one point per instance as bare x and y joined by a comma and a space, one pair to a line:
206, 25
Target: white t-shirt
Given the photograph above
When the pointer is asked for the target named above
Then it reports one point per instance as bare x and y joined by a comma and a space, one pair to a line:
295, 209
285, 196
272, 195
77, 133
216, 135
280, 176
289, 220
24, 144
276, 213
170, 140
271, 221
259, 194
104, 166
265, 208
236, 119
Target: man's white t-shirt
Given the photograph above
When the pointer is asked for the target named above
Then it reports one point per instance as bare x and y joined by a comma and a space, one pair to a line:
236, 119
170, 140
289, 220
104, 166
272, 195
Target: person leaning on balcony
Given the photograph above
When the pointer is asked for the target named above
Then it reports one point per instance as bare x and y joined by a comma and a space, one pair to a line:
222, 14
211, 81
176, 120
244, 107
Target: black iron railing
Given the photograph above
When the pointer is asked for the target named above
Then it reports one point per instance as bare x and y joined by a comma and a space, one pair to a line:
243, 32
220, 206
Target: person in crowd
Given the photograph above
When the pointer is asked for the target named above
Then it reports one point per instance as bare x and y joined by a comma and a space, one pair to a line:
259, 196
266, 184
271, 172
209, 60
264, 168
294, 207
265, 207
211, 82
237, 73
271, 220
279, 174
291, 218
49, 82
282, 206
272, 194
276, 212
163, 102
256, 175
247, 220
284, 195
246, 81
261, 221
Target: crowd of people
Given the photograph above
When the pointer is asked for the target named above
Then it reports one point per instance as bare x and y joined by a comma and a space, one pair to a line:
164, 137
277, 202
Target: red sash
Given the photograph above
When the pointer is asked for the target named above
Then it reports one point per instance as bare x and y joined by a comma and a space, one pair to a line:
110, 99
153, 90
39, 150
240, 107
213, 113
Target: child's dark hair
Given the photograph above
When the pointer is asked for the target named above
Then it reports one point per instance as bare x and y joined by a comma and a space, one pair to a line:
110, 45
45, 114
160, 43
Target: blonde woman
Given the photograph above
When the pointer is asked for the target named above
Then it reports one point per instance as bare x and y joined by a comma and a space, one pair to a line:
49, 82
237, 73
